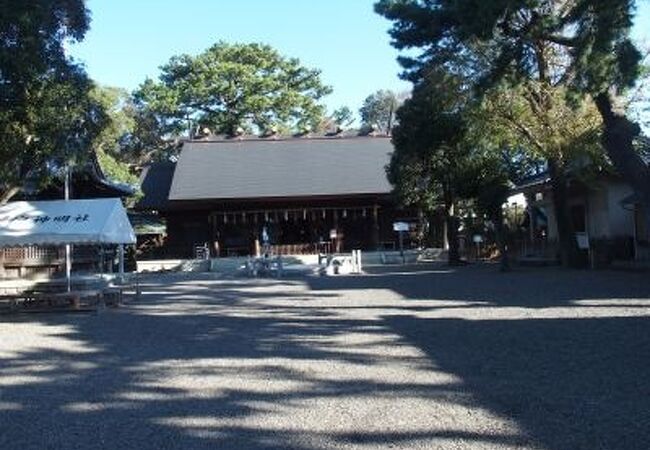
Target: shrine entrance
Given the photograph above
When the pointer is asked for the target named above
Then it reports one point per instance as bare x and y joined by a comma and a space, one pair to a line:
295, 231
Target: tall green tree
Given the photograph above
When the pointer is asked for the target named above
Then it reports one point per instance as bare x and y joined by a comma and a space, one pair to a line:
46, 115
489, 184
500, 158
582, 45
565, 136
343, 117
379, 109
119, 108
150, 139
232, 86
110, 145
430, 159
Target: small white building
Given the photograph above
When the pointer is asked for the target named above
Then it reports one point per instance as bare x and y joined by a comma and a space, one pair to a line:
604, 216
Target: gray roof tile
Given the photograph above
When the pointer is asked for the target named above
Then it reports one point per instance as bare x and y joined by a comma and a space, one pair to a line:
155, 181
271, 168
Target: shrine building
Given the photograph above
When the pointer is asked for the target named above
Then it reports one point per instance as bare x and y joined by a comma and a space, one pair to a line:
310, 195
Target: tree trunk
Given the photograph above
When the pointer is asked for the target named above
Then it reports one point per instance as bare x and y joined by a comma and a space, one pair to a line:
501, 238
451, 221
618, 136
445, 232
569, 253
435, 232
645, 210
8, 194
452, 236
422, 228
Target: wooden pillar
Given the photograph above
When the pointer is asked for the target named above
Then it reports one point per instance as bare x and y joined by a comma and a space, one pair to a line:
120, 252
335, 225
214, 240
374, 235
322, 226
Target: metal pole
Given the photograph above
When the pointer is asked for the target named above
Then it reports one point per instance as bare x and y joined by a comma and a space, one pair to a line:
68, 256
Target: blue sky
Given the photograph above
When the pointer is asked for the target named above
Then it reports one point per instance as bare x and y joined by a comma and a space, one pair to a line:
130, 39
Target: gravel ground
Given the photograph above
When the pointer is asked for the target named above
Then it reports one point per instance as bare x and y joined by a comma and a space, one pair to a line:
421, 357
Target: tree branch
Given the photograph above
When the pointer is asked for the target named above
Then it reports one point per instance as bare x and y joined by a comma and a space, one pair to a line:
560, 40
524, 130
8, 194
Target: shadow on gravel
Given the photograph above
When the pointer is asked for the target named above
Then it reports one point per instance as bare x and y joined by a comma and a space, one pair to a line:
568, 383
108, 394
530, 288
580, 383
103, 398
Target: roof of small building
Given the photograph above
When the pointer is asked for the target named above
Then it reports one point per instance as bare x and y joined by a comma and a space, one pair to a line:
155, 181
262, 168
88, 181
533, 181
329, 134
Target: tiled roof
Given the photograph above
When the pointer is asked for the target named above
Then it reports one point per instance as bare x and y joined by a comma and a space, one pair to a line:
155, 181
279, 168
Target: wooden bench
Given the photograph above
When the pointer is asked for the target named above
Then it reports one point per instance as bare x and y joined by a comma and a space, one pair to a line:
86, 294
9, 302
78, 300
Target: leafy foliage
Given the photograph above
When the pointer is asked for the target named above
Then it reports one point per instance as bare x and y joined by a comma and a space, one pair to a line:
343, 117
120, 123
32, 36
57, 125
232, 86
116, 170
150, 139
131, 136
378, 110
430, 161
120, 112
581, 47
563, 132
427, 151
589, 38
47, 117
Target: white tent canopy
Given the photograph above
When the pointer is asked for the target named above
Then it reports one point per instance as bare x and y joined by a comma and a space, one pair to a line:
61, 222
